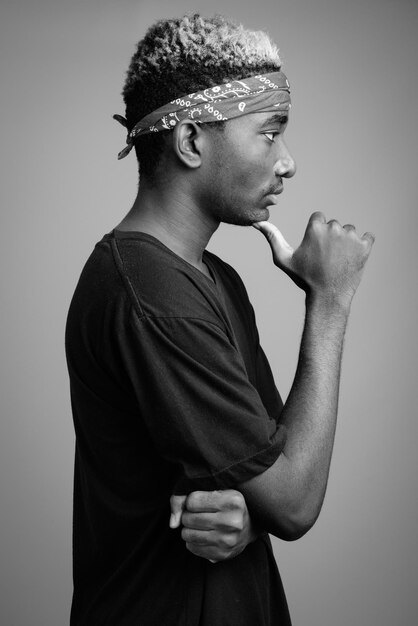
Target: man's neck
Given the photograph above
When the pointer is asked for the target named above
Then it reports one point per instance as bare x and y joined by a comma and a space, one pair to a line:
174, 219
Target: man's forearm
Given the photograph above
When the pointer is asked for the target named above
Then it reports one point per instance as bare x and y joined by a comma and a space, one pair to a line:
310, 411
286, 499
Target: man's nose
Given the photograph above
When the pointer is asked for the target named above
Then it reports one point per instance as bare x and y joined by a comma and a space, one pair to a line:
285, 165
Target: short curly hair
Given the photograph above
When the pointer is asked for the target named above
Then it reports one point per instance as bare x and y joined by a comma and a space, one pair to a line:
181, 56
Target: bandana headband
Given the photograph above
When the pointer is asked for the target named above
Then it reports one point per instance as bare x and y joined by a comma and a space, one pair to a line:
257, 94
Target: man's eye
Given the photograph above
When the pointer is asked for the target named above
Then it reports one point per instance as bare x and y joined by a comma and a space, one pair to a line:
270, 136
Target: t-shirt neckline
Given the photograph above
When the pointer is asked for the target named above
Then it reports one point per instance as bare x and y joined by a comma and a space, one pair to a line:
138, 234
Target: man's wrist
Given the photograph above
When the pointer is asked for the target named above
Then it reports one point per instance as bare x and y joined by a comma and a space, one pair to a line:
329, 304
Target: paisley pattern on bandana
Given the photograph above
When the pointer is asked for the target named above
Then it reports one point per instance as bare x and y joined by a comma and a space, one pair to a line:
257, 94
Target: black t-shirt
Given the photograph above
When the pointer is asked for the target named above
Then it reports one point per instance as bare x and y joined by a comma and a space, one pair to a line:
171, 392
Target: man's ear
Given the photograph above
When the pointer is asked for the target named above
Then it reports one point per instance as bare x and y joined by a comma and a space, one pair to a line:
187, 143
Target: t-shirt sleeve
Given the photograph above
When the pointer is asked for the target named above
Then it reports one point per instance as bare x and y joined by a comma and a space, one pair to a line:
266, 386
195, 398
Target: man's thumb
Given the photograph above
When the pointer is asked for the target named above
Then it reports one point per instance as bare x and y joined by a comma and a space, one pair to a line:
282, 251
177, 505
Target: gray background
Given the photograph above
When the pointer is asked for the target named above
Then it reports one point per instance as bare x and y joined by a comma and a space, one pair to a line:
352, 67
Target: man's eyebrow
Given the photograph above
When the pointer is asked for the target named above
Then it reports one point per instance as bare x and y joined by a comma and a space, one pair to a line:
276, 119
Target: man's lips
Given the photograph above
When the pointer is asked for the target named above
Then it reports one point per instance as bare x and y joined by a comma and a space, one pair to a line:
275, 191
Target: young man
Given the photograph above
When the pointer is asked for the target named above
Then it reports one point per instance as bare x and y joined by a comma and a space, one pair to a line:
172, 394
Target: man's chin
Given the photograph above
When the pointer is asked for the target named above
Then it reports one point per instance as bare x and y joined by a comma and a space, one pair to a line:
262, 215
246, 218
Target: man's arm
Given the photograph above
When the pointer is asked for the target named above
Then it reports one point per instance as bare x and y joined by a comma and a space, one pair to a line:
287, 498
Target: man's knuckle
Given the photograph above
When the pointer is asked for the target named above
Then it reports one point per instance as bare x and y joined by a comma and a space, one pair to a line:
315, 226
239, 499
349, 227
193, 500
237, 522
317, 216
369, 238
228, 541
235, 500
335, 225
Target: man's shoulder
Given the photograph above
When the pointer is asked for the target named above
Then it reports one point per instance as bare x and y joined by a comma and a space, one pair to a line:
159, 282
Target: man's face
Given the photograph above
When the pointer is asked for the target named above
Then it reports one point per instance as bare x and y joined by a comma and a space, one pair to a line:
244, 168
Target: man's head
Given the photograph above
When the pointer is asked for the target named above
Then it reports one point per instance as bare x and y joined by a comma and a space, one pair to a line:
181, 56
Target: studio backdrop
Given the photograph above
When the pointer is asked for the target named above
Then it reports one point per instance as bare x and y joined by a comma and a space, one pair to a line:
353, 132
